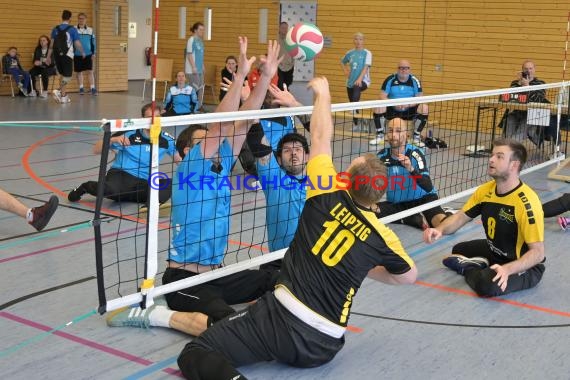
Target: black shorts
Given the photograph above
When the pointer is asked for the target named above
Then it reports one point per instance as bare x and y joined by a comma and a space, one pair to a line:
268, 331
408, 114
64, 65
83, 64
214, 297
387, 208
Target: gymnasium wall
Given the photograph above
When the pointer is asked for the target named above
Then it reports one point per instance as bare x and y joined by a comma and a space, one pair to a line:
453, 45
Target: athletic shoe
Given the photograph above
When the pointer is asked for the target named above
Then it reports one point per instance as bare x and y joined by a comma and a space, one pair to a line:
33, 94
379, 140
75, 194
564, 223
93, 91
132, 316
81, 91
57, 95
42, 214
44, 94
450, 210
65, 99
460, 263
417, 141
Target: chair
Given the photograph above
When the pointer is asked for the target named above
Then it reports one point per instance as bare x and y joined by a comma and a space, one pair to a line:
6, 77
209, 82
163, 74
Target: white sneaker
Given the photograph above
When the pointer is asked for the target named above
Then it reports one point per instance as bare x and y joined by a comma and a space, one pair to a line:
57, 95
65, 99
44, 94
417, 141
379, 140
21, 87
33, 94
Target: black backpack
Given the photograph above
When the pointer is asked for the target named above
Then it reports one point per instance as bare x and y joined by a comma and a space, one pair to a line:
60, 47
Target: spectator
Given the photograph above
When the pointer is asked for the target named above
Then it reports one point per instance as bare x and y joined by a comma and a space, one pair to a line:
402, 84
80, 64
11, 65
356, 65
181, 98
194, 65
40, 65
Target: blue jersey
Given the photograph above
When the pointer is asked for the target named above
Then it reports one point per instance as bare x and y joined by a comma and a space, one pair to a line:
72, 36
285, 195
397, 89
401, 186
201, 207
358, 60
87, 39
195, 46
181, 100
135, 158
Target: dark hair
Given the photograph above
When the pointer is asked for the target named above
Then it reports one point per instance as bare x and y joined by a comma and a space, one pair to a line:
147, 106
43, 36
184, 139
12, 47
196, 26
518, 149
66, 15
371, 168
292, 137
231, 57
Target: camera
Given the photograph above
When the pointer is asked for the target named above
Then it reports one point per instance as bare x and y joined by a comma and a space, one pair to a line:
524, 75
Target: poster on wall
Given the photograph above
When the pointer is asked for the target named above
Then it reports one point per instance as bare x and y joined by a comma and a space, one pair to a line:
293, 12
132, 30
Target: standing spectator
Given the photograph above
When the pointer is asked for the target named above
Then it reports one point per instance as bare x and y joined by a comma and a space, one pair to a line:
402, 84
356, 65
40, 65
11, 65
195, 59
63, 54
287, 64
87, 39
181, 98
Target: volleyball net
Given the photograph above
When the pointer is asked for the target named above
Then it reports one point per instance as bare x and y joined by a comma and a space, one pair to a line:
133, 246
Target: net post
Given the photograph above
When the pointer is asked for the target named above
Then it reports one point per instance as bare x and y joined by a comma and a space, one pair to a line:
106, 126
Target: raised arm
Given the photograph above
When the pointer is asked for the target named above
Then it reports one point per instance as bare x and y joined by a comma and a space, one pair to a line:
321, 121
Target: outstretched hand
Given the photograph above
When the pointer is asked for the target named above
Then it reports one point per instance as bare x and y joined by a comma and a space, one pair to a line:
244, 64
320, 86
431, 235
271, 61
282, 97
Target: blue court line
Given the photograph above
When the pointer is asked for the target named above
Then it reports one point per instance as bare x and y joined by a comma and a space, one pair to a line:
153, 368
45, 235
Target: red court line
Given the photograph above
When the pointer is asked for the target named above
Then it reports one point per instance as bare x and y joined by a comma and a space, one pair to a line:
44, 161
495, 299
88, 343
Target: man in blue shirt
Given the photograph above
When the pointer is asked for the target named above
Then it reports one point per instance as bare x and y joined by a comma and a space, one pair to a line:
409, 184
127, 180
80, 64
402, 84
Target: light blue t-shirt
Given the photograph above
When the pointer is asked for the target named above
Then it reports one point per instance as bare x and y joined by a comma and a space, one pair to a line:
195, 46
201, 205
358, 59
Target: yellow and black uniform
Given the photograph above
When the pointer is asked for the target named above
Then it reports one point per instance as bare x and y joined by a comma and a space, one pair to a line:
511, 222
302, 322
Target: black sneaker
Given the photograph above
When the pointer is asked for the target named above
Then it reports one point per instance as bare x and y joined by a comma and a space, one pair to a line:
41, 215
460, 263
75, 194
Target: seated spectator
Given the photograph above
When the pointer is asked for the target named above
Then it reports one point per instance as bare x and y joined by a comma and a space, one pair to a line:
517, 119
11, 65
41, 67
228, 73
402, 84
181, 98
255, 74
127, 180
409, 183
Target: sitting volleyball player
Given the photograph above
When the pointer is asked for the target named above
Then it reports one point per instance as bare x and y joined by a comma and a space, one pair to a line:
282, 155
127, 180
409, 183
201, 219
338, 244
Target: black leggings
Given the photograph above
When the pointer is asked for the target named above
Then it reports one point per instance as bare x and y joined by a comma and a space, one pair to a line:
557, 206
354, 94
481, 280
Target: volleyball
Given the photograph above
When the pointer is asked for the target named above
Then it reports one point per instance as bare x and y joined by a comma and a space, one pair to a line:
304, 41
